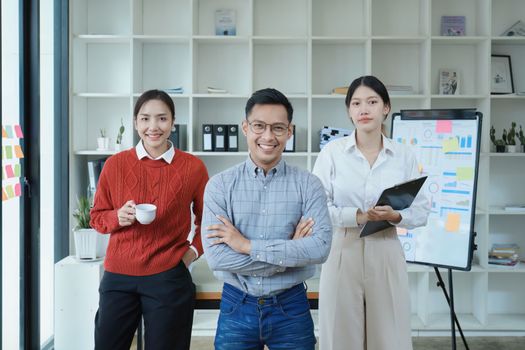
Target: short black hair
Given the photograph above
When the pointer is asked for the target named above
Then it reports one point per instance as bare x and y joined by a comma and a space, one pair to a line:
154, 95
269, 96
371, 82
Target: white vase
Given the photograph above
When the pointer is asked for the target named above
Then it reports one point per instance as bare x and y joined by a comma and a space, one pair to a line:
85, 244
511, 148
89, 244
102, 143
117, 147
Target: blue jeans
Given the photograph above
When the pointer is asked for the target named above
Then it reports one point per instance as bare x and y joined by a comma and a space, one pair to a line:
279, 322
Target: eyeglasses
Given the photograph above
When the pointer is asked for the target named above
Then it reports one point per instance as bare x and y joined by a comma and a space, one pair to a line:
278, 129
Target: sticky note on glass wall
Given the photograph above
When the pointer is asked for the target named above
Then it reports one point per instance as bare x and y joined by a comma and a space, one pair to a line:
18, 151
9, 171
18, 190
9, 191
18, 132
8, 151
9, 131
450, 145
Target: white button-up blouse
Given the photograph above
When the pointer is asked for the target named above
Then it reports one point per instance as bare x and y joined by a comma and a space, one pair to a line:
351, 184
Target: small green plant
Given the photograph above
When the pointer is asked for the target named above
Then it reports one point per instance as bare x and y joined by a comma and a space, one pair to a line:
493, 134
103, 133
521, 137
497, 142
511, 135
82, 214
120, 132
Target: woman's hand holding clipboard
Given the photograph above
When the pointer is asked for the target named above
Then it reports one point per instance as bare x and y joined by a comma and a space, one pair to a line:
398, 197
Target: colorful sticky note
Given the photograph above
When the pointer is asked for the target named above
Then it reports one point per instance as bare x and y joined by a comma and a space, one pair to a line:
18, 132
9, 171
17, 170
8, 152
9, 131
452, 223
10, 192
18, 190
4, 195
443, 126
18, 151
465, 173
4, 133
450, 145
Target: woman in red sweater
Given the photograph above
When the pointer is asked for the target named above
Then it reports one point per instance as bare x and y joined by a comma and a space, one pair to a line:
146, 265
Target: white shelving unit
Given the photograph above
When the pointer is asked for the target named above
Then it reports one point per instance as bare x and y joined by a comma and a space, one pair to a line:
305, 48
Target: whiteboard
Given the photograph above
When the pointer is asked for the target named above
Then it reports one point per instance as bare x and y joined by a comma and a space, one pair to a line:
446, 144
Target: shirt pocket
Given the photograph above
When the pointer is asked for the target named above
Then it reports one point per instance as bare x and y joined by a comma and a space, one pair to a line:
392, 177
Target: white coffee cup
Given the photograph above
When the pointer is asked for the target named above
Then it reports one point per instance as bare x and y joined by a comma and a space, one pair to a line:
145, 213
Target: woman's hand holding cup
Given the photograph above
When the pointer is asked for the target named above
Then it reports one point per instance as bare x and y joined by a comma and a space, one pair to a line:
126, 214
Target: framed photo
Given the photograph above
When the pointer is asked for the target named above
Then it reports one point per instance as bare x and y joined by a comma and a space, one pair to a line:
501, 75
449, 82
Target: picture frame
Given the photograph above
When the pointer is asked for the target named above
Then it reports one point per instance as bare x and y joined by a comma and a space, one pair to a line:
501, 75
449, 82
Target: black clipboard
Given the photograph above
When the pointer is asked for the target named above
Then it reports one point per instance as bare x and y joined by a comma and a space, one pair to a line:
399, 197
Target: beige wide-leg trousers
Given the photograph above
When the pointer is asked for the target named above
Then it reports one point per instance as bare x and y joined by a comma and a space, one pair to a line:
364, 301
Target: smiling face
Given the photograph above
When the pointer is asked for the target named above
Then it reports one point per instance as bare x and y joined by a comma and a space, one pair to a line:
153, 124
367, 110
266, 148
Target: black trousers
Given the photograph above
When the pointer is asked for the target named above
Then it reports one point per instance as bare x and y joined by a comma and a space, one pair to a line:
166, 301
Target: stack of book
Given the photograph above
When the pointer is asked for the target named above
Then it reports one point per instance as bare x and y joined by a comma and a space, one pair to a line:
342, 90
506, 254
399, 89
517, 208
175, 90
215, 90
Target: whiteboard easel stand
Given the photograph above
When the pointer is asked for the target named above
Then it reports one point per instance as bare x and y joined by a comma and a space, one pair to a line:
453, 318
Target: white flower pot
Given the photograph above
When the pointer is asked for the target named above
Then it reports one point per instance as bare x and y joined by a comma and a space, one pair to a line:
117, 147
102, 143
511, 148
89, 244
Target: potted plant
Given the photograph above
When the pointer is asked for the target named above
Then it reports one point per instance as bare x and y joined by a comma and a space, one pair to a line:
511, 139
521, 137
118, 141
102, 141
499, 143
89, 244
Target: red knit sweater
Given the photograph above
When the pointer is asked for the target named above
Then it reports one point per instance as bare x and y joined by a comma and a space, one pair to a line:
141, 250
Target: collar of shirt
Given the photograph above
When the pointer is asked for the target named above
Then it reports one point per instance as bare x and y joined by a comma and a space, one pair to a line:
167, 156
254, 169
351, 144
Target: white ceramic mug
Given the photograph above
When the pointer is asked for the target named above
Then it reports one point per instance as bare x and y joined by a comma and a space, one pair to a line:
145, 213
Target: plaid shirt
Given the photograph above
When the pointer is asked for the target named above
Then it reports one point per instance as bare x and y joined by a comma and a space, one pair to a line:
266, 210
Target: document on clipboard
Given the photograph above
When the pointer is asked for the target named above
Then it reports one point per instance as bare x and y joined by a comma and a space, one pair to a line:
399, 197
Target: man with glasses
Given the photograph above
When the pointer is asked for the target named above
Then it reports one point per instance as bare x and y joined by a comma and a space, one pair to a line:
267, 226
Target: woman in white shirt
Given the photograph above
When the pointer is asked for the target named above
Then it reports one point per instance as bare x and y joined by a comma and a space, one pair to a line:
364, 300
